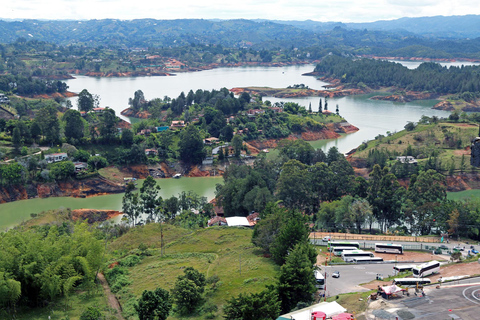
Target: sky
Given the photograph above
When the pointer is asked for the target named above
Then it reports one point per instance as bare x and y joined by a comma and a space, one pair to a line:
317, 10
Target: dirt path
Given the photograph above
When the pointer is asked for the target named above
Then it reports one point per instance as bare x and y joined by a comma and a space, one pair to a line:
112, 300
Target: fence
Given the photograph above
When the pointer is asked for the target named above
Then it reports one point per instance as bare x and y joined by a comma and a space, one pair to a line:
352, 236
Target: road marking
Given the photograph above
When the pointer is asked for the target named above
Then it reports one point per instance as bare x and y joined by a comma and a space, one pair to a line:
473, 294
362, 268
465, 296
370, 272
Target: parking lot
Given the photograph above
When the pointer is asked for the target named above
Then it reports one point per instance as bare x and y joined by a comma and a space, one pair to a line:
351, 276
459, 301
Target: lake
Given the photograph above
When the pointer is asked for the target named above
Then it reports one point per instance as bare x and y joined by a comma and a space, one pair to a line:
372, 117
13, 213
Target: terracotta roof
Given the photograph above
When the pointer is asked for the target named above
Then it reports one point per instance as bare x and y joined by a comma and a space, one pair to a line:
217, 221
253, 218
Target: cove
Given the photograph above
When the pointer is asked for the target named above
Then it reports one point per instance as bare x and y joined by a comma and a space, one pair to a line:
13, 213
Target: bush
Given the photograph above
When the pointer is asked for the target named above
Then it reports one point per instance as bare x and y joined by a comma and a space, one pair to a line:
92, 313
130, 261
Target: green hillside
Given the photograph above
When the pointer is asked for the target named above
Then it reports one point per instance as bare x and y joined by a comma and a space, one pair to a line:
218, 252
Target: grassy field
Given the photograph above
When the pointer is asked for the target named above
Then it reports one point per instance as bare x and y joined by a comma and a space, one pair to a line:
467, 194
62, 310
226, 253
448, 140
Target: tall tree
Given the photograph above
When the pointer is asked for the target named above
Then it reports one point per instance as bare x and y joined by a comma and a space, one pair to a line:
86, 101
150, 199
130, 204
138, 101
108, 125
297, 279
191, 145
74, 124
49, 123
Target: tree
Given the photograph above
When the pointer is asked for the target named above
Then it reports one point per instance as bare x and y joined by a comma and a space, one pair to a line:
74, 124
297, 279
237, 144
48, 121
138, 101
154, 305
360, 212
108, 124
97, 162
130, 205
150, 199
17, 140
86, 101
254, 306
191, 146
35, 130
188, 290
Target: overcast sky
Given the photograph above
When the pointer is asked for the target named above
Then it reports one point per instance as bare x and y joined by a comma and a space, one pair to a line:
318, 10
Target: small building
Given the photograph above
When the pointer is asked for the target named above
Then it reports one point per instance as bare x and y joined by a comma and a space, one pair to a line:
254, 112
253, 218
56, 157
407, 159
4, 98
98, 110
217, 221
276, 109
145, 132
211, 140
151, 152
80, 166
177, 124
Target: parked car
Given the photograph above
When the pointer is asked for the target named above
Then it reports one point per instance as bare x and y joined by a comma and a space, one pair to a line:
327, 238
443, 247
458, 248
474, 251
336, 274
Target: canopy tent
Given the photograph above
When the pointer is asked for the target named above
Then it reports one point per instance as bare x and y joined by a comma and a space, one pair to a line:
388, 290
343, 316
329, 308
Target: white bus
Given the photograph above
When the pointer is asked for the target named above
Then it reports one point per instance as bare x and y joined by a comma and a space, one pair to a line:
367, 260
348, 255
411, 282
404, 267
337, 244
388, 248
338, 250
319, 280
426, 269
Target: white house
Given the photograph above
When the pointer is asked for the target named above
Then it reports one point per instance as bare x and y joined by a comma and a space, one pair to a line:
55, 157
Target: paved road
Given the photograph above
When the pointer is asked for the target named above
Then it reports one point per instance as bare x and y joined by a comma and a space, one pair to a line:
450, 302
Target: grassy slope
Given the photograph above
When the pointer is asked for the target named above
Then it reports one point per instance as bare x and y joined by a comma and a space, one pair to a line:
428, 138
212, 251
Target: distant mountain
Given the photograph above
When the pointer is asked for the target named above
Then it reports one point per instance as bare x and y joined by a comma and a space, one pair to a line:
150, 32
440, 27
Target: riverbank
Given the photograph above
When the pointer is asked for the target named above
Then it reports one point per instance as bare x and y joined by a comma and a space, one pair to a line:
73, 188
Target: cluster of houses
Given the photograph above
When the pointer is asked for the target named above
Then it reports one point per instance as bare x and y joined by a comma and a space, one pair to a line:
60, 156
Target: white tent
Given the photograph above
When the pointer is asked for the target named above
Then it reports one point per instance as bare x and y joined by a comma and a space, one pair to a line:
329, 308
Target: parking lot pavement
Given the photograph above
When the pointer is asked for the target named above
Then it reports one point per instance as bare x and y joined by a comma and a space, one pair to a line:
351, 276
448, 302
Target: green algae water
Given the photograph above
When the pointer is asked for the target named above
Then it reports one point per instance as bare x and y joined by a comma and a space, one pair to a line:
13, 213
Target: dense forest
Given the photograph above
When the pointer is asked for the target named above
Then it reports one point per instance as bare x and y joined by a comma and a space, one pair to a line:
429, 76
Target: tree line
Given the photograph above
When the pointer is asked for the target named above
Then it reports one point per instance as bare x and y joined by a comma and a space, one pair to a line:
429, 76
